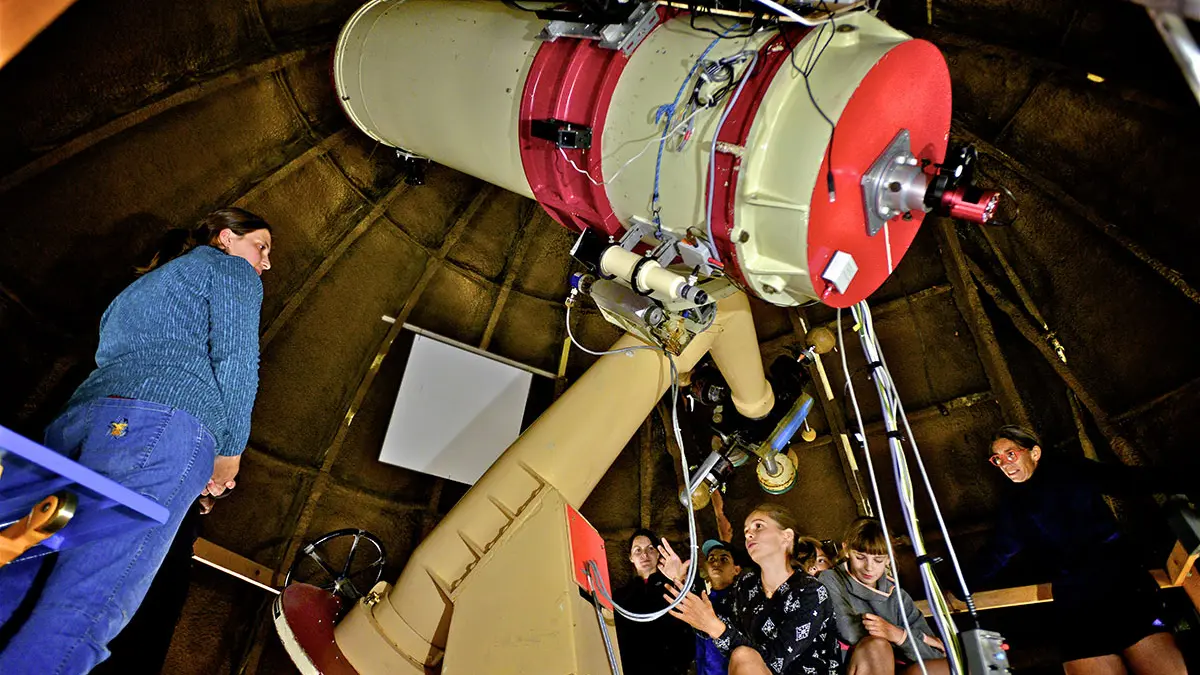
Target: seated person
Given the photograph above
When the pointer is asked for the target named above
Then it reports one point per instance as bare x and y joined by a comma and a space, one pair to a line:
720, 571
660, 647
815, 556
869, 607
779, 619
1104, 600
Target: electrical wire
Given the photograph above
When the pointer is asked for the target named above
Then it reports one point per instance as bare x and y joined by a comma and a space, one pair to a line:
903, 416
668, 110
712, 154
695, 9
893, 409
629, 161
612, 655
792, 15
692, 538
875, 489
810, 64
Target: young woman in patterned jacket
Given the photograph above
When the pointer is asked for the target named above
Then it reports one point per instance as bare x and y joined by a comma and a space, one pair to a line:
780, 620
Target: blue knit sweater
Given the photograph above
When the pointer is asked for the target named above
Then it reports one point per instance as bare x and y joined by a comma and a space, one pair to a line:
186, 335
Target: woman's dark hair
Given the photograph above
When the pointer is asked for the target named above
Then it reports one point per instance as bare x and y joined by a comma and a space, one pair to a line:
178, 241
808, 549
643, 532
1017, 434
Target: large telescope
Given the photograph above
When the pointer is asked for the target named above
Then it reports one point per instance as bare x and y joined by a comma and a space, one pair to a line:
794, 163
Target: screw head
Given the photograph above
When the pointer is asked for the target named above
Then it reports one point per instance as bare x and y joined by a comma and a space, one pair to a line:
846, 28
770, 290
46, 507
908, 215
894, 186
744, 237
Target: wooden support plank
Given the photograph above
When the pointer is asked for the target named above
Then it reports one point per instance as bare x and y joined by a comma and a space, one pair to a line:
510, 276
1112, 231
1120, 446
227, 561
194, 93
826, 402
971, 307
325, 477
1039, 593
1180, 564
892, 306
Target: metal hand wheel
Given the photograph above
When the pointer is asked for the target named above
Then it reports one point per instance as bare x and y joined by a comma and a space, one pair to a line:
359, 570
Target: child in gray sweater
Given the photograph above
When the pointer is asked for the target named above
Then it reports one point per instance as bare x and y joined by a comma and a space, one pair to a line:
869, 606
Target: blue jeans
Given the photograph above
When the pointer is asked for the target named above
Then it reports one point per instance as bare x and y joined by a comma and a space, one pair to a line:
93, 590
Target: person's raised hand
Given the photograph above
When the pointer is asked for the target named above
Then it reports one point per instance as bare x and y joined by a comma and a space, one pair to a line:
724, 528
696, 611
880, 627
669, 563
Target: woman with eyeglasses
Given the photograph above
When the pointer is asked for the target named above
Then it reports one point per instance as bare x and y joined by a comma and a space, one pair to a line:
1104, 597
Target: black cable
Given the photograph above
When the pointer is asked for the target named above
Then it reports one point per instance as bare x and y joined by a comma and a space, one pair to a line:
758, 20
814, 56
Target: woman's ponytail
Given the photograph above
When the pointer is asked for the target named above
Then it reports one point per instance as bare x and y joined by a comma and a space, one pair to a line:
179, 241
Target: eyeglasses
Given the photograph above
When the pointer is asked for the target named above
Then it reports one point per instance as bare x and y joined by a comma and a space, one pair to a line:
1002, 458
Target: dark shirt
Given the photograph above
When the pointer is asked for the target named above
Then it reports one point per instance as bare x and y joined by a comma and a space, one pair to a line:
793, 630
709, 659
1060, 516
664, 645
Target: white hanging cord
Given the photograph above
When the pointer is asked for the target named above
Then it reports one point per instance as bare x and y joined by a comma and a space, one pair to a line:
692, 541
875, 489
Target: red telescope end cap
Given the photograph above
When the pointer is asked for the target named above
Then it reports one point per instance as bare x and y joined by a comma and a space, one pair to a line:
971, 204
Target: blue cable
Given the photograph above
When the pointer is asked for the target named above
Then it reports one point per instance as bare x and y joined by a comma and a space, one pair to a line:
668, 109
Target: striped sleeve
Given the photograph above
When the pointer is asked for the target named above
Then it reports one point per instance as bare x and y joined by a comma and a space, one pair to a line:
235, 303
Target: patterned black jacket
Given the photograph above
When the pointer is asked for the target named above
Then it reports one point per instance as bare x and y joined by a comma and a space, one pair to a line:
793, 630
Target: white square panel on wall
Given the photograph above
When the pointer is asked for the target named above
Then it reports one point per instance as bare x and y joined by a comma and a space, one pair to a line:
455, 413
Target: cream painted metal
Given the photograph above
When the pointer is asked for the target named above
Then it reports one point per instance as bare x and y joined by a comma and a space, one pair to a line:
568, 449
455, 99
783, 158
519, 611
440, 78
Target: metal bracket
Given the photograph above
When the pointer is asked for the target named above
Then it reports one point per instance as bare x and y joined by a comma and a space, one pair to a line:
893, 185
562, 134
619, 36
669, 246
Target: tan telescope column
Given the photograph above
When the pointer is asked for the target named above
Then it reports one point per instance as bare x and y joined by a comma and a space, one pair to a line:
740, 360
569, 447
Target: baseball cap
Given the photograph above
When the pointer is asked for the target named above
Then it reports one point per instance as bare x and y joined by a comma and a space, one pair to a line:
711, 544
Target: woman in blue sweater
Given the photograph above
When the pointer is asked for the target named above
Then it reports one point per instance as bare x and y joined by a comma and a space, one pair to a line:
166, 413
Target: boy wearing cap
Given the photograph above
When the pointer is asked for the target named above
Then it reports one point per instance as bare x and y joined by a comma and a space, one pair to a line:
720, 571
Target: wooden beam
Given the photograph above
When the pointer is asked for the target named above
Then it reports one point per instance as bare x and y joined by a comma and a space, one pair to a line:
1120, 446
510, 276
324, 477
297, 298
892, 306
986, 345
826, 402
227, 561
645, 440
1112, 231
190, 95
1143, 408
1032, 595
